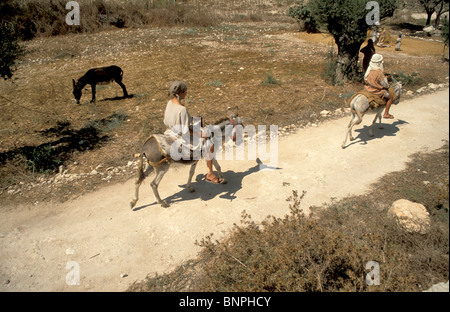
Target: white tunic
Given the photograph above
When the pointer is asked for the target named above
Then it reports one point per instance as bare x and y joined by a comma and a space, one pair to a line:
177, 119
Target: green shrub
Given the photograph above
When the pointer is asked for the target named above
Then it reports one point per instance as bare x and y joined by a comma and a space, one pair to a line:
305, 18
329, 73
270, 80
10, 50
42, 159
406, 79
214, 83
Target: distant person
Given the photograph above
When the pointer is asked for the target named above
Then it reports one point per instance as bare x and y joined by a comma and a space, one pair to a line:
377, 83
398, 46
375, 34
368, 51
381, 38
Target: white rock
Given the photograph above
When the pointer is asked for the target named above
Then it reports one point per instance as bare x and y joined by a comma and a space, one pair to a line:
70, 251
441, 287
428, 29
413, 217
325, 112
421, 89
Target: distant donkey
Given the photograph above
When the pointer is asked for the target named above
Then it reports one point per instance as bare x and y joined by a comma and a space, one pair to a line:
100, 75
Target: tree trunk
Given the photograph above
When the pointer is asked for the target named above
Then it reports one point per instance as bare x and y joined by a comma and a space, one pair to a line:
347, 62
439, 11
429, 15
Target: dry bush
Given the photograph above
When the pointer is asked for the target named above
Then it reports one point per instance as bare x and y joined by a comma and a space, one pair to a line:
295, 253
47, 18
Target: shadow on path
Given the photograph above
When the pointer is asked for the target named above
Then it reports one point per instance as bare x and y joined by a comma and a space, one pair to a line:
207, 191
388, 130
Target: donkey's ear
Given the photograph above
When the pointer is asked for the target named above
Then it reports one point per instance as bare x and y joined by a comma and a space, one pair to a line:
74, 83
232, 112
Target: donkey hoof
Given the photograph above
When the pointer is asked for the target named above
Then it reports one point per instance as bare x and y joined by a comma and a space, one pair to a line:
164, 204
132, 204
191, 189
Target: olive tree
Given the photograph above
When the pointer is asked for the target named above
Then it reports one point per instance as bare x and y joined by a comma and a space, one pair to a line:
348, 22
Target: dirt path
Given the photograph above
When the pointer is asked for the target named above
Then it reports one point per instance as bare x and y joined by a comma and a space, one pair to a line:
115, 246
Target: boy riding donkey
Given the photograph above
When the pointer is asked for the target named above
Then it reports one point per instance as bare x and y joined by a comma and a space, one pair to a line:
377, 86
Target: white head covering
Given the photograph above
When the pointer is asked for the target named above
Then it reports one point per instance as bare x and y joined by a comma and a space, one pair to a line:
376, 62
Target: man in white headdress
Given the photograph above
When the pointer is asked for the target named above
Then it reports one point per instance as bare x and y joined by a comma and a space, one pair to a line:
377, 83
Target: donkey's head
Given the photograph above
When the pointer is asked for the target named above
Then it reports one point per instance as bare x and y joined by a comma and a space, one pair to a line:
237, 122
233, 116
77, 91
398, 89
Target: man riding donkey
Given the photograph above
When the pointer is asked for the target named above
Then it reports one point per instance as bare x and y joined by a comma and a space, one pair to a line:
376, 87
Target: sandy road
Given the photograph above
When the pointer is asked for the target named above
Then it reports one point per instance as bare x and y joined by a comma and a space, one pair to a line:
114, 246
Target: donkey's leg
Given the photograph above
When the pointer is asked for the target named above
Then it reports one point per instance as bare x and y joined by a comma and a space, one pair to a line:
345, 140
380, 125
144, 170
160, 172
93, 93
124, 89
191, 174
351, 120
377, 116
355, 121
347, 133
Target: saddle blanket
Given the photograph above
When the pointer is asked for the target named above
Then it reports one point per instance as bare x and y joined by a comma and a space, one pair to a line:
374, 100
181, 150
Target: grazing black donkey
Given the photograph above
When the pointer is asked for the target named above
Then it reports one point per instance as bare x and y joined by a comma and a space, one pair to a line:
98, 75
